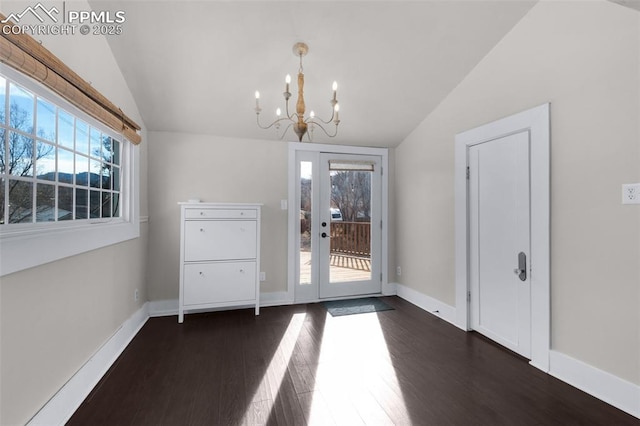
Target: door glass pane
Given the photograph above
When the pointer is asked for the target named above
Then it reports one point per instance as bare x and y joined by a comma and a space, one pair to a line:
350, 244
305, 222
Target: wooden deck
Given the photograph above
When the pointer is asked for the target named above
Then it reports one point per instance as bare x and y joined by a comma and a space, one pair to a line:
343, 268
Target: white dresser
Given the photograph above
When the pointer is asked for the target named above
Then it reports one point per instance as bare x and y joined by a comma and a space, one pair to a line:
219, 256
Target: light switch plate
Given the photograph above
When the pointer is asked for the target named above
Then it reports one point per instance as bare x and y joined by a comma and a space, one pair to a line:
631, 193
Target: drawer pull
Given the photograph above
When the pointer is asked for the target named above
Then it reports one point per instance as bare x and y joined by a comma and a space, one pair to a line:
201, 273
201, 213
241, 213
201, 229
242, 271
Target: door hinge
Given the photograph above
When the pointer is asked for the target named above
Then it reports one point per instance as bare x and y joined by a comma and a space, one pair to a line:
380, 224
381, 171
468, 296
468, 172
380, 276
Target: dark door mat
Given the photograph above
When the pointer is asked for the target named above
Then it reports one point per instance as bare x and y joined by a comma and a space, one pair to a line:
339, 308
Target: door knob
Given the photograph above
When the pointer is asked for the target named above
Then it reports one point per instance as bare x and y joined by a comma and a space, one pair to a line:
324, 224
324, 235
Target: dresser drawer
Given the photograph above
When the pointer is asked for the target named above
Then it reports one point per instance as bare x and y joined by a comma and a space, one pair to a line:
219, 282
219, 240
221, 214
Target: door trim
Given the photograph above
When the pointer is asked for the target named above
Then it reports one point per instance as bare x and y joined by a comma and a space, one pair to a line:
294, 211
536, 122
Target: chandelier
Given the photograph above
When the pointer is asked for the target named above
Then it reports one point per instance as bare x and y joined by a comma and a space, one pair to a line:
301, 125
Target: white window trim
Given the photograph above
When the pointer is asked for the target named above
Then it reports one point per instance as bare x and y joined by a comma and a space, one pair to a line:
23, 247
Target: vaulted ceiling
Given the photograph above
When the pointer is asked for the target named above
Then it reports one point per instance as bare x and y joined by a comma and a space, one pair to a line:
193, 66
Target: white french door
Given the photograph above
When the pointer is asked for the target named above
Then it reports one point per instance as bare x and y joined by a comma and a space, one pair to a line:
339, 238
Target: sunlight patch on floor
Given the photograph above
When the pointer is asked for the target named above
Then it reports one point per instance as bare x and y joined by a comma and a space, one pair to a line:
355, 377
277, 368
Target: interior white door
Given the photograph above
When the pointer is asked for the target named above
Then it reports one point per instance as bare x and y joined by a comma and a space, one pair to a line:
350, 215
499, 223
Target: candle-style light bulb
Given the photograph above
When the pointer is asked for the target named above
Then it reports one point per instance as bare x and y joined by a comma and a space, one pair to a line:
278, 112
287, 80
257, 102
337, 116
312, 114
257, 95
335, 89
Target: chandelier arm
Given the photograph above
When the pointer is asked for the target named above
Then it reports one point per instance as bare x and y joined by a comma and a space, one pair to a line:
270, 125
286, 110
325, 130
333, 114
285, 131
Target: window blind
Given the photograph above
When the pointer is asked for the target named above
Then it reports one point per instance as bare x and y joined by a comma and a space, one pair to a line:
351, 165
25, 54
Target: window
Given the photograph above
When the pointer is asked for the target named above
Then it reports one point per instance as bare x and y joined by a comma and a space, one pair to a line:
54, 167
68, 184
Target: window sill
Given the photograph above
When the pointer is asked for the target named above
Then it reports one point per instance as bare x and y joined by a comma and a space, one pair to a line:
21, 251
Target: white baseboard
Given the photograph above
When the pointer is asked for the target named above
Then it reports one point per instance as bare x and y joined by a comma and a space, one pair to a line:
605, 386
429, 304
59, 409
163, 308
390, 289
277, 298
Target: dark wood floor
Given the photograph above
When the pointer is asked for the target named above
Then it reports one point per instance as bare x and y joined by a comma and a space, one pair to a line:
297, 365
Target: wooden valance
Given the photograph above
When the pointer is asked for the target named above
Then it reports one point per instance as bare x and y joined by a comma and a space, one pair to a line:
22, 52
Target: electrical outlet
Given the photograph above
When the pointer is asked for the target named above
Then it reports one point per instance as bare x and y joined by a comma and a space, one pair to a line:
136, 295
631, 193
398, 270
263, 276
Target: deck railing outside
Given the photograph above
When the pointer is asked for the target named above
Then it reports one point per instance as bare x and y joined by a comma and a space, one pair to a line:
351, 238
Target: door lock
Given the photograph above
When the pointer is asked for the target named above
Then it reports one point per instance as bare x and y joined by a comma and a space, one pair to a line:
324, 235
521, 270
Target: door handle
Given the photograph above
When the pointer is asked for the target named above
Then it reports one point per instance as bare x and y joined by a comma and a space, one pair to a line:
521, 270
324, 235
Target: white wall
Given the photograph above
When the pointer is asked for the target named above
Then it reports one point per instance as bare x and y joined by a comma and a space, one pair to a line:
220, 169
214, 169
55, 316
583, 57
